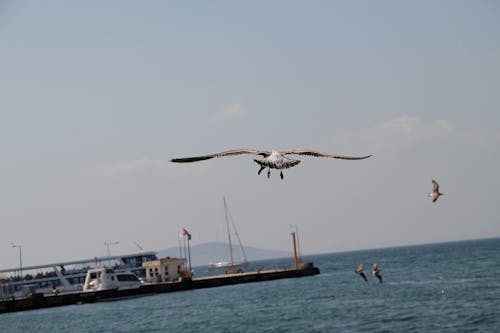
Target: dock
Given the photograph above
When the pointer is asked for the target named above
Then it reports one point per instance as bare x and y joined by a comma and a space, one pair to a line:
39, 300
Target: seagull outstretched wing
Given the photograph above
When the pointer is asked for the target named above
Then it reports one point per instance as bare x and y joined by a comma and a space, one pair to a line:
435, 186
232, 152
316, 153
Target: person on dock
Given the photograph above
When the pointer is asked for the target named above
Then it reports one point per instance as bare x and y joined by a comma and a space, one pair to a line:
376, 272
359, 271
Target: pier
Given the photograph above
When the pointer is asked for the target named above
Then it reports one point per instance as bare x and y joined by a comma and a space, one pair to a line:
39, 300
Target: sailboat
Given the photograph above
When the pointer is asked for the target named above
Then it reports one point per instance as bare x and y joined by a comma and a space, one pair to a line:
230, 266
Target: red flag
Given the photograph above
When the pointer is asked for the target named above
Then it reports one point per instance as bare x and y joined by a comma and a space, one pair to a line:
186, 233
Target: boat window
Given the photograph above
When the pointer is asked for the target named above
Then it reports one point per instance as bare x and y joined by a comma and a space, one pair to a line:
126, 277
140, 272
129, 261
56, 283
76, 279
93, 275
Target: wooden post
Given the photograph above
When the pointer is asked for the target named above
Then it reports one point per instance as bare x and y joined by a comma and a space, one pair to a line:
295, 258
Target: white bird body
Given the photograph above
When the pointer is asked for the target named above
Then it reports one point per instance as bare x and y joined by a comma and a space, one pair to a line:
276, 160
272, 159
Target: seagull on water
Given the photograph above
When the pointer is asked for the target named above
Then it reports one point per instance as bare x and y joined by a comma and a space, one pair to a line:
435, 191
272, 159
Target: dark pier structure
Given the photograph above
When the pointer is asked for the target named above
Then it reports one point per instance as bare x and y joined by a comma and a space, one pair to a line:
37, 301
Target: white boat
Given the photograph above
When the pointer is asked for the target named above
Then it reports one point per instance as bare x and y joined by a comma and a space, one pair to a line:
67, 276
230, 266
103, 278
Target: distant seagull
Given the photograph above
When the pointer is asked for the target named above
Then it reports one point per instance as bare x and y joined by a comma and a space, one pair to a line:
435, 191
359, 271
272, 159
376, 272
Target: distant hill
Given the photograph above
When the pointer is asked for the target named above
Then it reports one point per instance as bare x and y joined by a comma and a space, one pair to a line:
206, 253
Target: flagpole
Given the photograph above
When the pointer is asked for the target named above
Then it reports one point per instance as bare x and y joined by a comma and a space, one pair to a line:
185, 252
189, 255
187, 235
180, 246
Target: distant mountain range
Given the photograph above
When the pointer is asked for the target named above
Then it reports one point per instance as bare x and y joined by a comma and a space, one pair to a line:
206, 253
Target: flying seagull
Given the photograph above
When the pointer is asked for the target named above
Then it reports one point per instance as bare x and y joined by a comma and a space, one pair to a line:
360, 272
376, 272
435, 191
272, 159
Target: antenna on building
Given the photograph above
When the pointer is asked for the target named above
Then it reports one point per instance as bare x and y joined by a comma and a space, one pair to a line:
138, 246
108, 244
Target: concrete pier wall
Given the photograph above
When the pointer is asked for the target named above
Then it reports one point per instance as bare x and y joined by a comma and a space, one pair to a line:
38, 301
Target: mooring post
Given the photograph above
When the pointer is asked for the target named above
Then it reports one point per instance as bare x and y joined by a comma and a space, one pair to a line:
295, 258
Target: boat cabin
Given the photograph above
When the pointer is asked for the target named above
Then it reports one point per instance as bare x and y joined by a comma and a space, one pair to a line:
103, 278
67, 276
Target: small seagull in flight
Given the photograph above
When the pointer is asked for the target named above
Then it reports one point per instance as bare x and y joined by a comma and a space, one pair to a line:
272, 159
360, 272
376, 272
435, 191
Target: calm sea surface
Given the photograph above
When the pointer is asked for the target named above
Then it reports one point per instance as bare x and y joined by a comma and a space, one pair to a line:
449, 287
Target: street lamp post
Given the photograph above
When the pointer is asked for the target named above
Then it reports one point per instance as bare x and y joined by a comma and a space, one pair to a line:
19, 246
108, 244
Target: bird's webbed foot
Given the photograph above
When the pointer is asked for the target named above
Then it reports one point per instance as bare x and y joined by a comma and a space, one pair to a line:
260, 170
281, 174
269, 173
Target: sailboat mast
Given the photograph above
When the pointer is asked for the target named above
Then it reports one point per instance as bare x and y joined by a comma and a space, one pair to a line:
238, 236
228, 232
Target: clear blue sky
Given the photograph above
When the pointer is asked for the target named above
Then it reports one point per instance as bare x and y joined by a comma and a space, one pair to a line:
97, 96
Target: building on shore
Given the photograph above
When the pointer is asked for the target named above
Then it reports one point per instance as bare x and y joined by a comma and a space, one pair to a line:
165, 270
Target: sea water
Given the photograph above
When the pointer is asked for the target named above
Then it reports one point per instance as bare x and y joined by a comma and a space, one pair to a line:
448, 287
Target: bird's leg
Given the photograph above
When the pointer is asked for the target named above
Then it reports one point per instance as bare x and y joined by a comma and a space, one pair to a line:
269, 173
281, 174
261, 168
